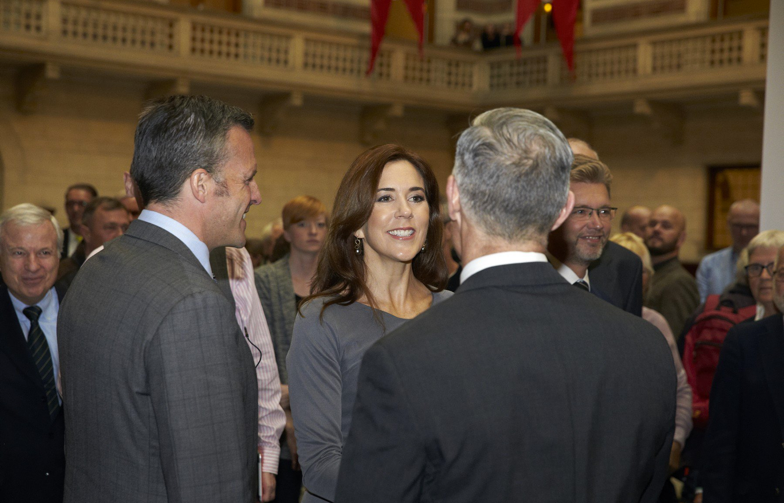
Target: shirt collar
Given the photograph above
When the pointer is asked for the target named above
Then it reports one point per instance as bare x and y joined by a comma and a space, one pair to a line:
567, 273
496, 259
45, 304
188, 238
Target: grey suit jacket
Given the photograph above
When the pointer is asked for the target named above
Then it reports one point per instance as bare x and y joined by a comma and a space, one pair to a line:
519, 387
276, 291
159, 384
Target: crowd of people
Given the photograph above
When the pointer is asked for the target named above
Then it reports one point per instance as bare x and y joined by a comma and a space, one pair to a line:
483, 341
487, 38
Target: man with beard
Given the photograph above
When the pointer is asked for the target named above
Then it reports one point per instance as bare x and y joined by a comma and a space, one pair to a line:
674, 292
581, 240
742, 452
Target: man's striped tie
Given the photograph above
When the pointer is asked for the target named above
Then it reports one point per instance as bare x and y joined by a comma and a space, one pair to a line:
39, 350
582, 285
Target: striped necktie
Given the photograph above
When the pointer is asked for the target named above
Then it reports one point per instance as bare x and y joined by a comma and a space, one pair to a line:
39, 350
581, 284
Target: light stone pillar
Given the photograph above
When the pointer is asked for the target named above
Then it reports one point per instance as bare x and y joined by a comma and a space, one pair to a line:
772, 216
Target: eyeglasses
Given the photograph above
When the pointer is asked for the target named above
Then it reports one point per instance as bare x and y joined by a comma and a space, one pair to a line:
779, 275
755, 270
81, 204
582, 213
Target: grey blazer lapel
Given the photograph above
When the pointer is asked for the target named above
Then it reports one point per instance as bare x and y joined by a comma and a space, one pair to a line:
771, 351
288, 303
221, 271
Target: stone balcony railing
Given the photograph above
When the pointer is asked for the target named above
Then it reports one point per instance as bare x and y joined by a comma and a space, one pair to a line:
161, 42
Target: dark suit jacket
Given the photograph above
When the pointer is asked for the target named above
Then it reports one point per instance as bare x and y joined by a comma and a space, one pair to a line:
519, 387
743, 453
159, 383
32, 461
617, 276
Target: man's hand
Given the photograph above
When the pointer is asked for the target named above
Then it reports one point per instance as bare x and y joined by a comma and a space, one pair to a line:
267, 486
285, 404
291, 441
675, 457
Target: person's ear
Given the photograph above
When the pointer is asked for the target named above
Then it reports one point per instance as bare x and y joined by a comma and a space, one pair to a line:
199, 183
565, 211
453, 200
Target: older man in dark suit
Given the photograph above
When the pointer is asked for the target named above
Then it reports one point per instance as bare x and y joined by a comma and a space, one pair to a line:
32, 462
159, 382
743, 450
520, 386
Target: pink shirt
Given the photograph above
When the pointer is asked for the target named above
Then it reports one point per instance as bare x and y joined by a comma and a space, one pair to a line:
250, 317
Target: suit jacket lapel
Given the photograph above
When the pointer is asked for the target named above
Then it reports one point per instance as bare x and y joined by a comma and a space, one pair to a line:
220, 269
12, 340
771, 352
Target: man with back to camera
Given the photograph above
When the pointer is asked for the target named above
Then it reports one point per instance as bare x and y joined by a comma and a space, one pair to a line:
159, 381
77, 197
674, 292
717, 270
32, 462
582, 239
520, 385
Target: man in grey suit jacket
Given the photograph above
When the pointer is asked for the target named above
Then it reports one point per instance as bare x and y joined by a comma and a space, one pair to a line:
158, 381
520, 387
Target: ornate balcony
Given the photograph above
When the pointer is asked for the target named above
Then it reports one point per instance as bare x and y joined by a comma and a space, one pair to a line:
174, 47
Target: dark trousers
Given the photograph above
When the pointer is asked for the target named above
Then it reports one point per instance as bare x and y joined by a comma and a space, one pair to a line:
288, 484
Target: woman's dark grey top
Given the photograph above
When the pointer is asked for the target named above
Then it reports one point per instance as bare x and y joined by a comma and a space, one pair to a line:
323, 366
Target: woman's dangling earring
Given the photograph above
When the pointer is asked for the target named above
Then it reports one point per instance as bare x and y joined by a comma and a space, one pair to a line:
424, 245
358, 245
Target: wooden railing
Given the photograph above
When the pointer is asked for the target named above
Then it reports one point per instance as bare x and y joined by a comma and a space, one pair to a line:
168, 42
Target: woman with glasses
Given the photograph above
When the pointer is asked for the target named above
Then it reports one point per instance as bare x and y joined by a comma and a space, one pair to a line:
381, 265
743, 453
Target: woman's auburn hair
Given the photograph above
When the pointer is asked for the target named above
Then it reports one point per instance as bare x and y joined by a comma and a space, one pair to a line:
340, 274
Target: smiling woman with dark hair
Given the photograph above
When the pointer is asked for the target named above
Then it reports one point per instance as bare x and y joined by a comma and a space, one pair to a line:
380, 266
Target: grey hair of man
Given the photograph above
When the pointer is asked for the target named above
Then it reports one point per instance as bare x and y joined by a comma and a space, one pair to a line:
29, 215
178, 135
512, 170
771, 238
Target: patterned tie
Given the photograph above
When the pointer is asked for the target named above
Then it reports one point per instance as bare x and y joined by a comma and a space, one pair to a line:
39, 350
582, 285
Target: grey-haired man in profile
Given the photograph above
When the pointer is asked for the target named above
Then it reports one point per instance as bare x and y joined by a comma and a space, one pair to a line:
160, 384
519, 386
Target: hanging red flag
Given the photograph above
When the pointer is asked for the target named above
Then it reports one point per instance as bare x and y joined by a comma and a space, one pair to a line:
416, 8
564, 17
379, 13
525, 8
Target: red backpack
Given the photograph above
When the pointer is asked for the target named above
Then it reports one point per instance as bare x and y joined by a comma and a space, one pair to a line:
702, 347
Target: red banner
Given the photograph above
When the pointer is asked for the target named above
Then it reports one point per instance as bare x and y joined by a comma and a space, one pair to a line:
564, 16
379, 14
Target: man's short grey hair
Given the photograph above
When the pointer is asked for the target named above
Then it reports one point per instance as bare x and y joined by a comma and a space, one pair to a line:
27, 214
512, 169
